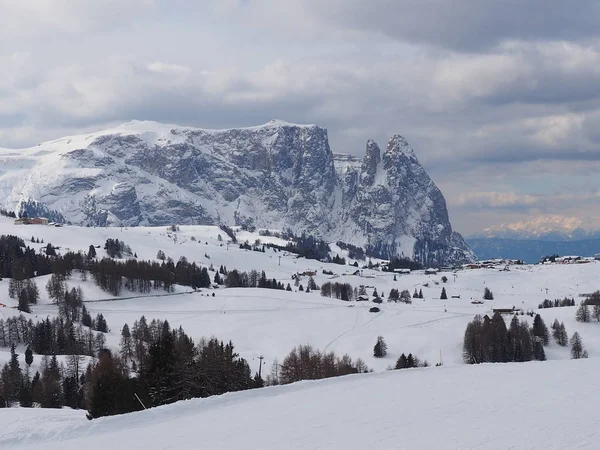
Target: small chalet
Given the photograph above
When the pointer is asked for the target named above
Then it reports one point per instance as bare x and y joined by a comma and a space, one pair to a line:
431, 271
32, 221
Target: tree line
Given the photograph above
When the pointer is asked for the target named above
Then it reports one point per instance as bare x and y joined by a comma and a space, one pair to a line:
489, 340
557, 303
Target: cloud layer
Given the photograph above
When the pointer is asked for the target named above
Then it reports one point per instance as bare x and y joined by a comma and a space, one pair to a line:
500, 99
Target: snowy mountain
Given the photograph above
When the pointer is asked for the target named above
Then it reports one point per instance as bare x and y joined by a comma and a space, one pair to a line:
277, 175
543, 228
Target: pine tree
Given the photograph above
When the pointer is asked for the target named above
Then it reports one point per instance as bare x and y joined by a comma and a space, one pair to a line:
28, 356
91, 252
23, 305
583, 313
563, 337
444, 296
487, 294
380, 349
540, 330
401, 362
596, 312
538, 351
577, 349
126, 344
100, 324
421, 293
26, 391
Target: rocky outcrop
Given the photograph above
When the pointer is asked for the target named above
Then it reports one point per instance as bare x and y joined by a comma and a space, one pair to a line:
278, 175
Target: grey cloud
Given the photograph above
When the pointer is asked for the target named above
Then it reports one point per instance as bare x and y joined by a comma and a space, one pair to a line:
470, 25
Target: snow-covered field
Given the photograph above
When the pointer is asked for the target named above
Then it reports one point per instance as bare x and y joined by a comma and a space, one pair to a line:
547, 406
270, 322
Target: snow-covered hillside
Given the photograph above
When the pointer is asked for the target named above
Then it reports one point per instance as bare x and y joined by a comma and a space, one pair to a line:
271, 322
277, 175
535, 406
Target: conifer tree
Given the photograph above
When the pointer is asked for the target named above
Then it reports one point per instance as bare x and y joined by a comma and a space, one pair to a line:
583, 313
401, 362
126, 344
577, 349
538, 351
487, 294
540, 330
444, 296
380, 349
596, 312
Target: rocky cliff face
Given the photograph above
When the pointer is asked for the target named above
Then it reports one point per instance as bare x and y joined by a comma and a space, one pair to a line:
278, 175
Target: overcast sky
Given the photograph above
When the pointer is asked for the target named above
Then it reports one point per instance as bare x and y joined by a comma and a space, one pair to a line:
499, 98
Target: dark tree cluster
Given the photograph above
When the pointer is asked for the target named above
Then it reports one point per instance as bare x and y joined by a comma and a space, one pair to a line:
116, 248
307, 246
557, 303
340, 291
487, 294
21, 262
169, 366
559, 333
229, 232
56, 387
354, 252
337, 259
256, 247
593, 301
11, 214
403, 297
143, 276
488, 340
408, 362
403, 263
252, 279
306, 363
50, 336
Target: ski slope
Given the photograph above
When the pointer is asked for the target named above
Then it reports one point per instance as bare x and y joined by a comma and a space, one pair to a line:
546, 406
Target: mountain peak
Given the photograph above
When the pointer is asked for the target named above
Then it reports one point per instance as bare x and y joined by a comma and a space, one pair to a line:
399, 145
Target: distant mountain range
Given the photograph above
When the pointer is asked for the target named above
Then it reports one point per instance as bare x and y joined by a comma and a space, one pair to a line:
543, 228
533, 239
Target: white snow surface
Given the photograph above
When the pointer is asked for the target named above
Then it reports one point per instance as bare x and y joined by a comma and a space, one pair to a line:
549, 405
271, 322
546, 406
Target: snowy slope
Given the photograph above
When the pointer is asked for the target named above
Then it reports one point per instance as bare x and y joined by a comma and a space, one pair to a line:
545, 406
276, 175
271, 323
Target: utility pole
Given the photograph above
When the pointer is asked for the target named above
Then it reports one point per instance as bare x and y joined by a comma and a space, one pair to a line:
261, 357
280, 260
